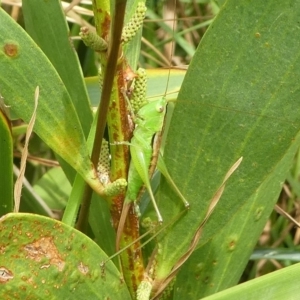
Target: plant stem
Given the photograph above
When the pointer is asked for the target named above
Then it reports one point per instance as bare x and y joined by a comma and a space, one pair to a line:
113, 55
112, 60
84, 209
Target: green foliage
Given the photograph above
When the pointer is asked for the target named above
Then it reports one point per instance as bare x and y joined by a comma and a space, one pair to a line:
46, 258
6, 161
29, 67
239, 98
282, 284
238, 108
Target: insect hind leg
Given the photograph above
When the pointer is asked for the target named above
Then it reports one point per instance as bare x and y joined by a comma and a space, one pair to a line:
163, 169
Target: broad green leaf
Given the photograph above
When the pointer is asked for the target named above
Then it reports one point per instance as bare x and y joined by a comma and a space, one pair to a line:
48, 17
6, 161
23, 67
219, 263
240, 97
281, 284
42, 258
164, 82
46, 24
160, 82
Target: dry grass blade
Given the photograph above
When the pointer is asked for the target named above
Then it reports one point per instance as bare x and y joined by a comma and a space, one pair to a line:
195, 240
232, 169
168, 16
285, 214
27, 185
73, 11
74, 17
12, 2
71, 5
19, 181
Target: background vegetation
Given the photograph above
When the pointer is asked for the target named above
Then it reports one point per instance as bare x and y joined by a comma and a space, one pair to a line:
244, 104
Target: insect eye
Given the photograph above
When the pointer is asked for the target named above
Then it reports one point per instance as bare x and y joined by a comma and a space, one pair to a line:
160, 108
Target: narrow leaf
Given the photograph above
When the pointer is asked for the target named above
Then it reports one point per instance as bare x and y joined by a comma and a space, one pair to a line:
48, 17
6, 161
282, 284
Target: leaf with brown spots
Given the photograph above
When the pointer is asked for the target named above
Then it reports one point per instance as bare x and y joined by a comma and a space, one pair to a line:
40, 257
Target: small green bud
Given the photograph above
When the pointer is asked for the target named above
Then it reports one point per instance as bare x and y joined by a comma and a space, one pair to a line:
92, 40
104, 164
115, 188
144, 290
138, 97
135, 23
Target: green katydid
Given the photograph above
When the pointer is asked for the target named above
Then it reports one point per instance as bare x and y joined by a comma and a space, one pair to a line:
145, 154
149, 122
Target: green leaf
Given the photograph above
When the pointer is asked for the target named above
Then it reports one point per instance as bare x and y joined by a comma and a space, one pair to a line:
100, 222
240, 97
164, 82
45, 22
6, 161
282, 284
23, 67
283, 254
54, 188
42, 258
219, 263
32, 202
158, 80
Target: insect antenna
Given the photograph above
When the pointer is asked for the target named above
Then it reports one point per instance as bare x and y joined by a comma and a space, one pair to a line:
156, 229
172, 5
